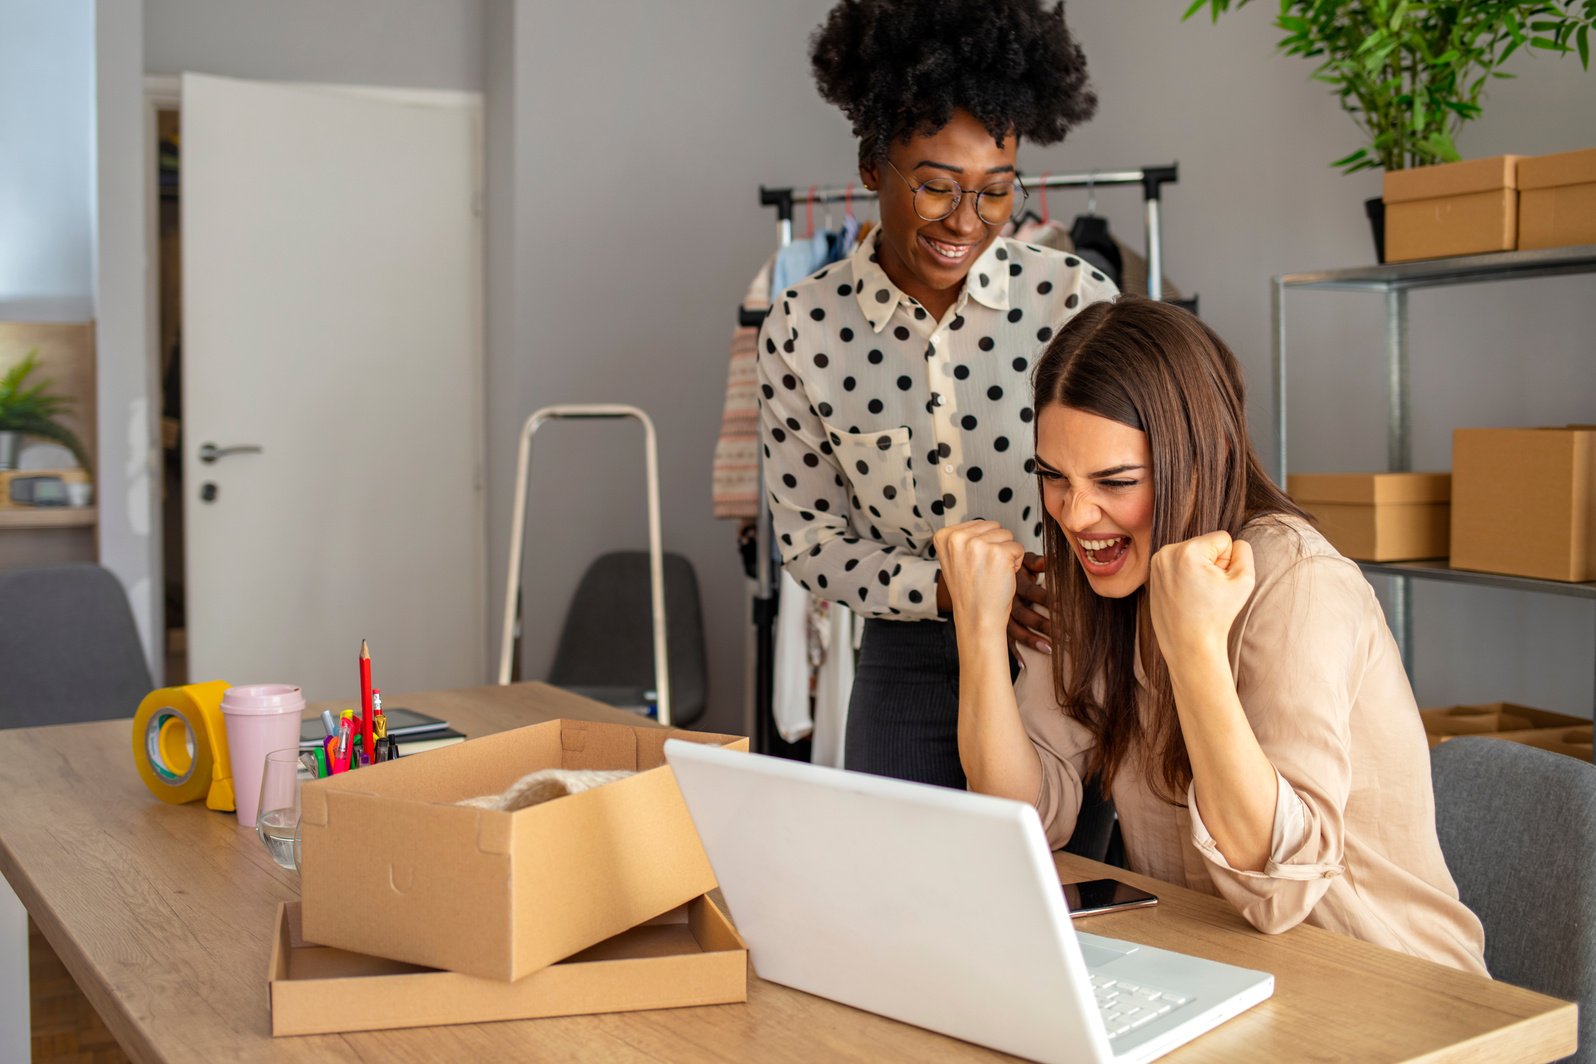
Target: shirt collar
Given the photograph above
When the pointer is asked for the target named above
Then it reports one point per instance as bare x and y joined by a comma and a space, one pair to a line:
878, 297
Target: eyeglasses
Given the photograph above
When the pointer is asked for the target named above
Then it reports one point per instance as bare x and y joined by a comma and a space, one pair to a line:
936, 199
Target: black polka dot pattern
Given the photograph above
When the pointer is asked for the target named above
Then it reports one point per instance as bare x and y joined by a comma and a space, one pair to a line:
884, 419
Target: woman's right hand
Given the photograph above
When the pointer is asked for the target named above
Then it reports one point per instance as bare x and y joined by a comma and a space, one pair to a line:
979, 561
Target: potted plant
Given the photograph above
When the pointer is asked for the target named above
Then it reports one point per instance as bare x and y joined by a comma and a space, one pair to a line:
33, 411
1410, 73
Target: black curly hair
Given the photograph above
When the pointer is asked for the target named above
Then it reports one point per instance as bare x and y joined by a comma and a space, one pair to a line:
898, 68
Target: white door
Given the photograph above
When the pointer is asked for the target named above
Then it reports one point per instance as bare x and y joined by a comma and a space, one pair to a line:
332, 317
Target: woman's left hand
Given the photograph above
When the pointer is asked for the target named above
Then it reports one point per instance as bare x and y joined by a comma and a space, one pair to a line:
1196, 589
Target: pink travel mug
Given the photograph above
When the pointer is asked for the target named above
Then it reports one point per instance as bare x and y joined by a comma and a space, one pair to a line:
260, 718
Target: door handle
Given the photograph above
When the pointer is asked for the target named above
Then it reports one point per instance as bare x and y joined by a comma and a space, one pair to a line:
209, 452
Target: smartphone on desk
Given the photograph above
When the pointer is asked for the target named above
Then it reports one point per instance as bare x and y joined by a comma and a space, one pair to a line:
1104, 896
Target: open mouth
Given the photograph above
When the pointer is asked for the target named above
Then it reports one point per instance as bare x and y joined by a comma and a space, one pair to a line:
1103, 555
948, 254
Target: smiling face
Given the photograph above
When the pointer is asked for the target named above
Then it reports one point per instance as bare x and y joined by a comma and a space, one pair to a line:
929, 260
1097, 484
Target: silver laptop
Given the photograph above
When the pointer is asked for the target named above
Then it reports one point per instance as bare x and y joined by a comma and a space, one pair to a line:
936, 907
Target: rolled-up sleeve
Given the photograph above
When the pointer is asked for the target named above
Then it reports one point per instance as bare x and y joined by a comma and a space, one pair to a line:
1062, 746
1296, 654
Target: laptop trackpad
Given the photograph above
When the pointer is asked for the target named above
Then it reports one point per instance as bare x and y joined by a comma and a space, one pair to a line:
1100, 951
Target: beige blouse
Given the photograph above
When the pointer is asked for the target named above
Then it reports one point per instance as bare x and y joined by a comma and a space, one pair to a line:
1323, 686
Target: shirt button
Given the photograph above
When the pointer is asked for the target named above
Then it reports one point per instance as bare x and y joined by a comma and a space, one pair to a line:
948, 470
936, 398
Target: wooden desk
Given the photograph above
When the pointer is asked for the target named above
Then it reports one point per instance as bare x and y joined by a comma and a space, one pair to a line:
163, 915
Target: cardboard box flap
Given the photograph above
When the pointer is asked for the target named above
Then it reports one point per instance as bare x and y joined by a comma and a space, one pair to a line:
1369, 488
1451, 179
1552, 171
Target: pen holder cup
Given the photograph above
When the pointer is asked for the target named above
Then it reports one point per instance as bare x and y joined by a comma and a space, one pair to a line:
260, 718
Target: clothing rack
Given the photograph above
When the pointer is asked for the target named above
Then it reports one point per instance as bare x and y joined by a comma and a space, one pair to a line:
1152, 179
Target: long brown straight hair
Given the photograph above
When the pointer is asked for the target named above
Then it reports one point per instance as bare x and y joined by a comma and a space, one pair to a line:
1159, 369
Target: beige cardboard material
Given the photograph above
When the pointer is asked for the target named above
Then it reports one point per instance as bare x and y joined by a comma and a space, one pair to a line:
391, 867
1465, 208
1557, 201
1523, 500
1575, 742
689, 956
1378, 517
1490, 718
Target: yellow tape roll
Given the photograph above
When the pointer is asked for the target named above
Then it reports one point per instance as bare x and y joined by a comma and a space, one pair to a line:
180, 745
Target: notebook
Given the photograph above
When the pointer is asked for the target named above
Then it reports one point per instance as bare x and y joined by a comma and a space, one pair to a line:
402, 723
936, 907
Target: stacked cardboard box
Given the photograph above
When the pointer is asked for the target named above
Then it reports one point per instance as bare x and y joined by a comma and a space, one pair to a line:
1557, 200
1378, 517
1524, 502
593, 902
1465, 208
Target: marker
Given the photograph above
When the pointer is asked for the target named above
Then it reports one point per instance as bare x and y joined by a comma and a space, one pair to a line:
321, 763
346, 732
379, 723
328, 722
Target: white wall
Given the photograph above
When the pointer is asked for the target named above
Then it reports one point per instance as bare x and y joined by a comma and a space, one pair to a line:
46, 182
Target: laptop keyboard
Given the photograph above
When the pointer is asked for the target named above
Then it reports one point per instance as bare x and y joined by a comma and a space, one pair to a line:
1126, 1006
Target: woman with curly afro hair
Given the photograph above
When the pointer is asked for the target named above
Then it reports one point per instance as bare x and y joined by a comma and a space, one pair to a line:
894, 384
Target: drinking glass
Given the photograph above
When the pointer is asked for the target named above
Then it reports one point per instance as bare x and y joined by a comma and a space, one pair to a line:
278, 820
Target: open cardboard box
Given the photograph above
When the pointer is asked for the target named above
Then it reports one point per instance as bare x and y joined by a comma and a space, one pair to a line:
1491, 719
689, 956
391, 867
1378, 517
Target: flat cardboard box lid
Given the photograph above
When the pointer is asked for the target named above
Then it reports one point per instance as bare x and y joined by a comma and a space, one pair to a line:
1564, 168
689, 956
1451, 179
1370, 488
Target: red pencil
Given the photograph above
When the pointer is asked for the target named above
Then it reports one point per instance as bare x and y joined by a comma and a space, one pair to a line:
367, 739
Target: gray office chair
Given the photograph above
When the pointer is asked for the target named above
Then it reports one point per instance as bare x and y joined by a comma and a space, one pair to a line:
69, 650
606, 648
1518, 828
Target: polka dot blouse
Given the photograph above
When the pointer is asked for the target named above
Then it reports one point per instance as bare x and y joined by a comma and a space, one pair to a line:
881, 425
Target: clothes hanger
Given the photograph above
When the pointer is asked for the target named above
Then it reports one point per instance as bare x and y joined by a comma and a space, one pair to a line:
1093, 242
1029, 216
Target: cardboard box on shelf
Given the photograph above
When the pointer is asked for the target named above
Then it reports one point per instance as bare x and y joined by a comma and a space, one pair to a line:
1557, 200
1491, 718
392, 867
1522, 502
690, 956
1466, 208
1575, 742
1378, 517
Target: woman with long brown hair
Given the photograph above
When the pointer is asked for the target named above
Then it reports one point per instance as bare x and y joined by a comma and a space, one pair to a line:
1227, 675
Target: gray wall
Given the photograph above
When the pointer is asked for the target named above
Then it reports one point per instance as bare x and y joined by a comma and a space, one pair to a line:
640, 133
46, 180
427, 44
1256, 199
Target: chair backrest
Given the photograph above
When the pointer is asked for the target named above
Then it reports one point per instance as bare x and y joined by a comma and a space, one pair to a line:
1518, 827
608, 636
69, 650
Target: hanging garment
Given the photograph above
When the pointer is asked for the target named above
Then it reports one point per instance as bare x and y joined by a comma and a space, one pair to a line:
813, 671
1133, 279
735, 488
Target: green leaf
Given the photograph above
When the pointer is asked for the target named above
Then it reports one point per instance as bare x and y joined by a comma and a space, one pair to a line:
1582, 39
1347, 160
1196, 7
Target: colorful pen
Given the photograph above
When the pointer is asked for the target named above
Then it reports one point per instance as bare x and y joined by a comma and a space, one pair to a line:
346, 734
366, 738
329, 723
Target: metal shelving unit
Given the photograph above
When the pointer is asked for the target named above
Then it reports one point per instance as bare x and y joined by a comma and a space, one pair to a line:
1395, 281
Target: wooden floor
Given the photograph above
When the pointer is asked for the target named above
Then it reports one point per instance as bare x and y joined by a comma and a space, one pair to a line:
66, 1029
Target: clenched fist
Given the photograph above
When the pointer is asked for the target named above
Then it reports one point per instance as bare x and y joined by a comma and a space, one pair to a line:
979, 561
1196, 588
